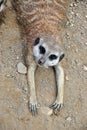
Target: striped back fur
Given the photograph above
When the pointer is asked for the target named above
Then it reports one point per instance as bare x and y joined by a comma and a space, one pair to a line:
39, 16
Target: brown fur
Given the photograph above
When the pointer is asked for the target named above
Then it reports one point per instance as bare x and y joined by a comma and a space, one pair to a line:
40, 16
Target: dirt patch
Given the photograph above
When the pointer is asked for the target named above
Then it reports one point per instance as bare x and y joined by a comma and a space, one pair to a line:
14, 113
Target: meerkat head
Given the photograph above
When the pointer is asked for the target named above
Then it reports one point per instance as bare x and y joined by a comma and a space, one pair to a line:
47, 52
2, 4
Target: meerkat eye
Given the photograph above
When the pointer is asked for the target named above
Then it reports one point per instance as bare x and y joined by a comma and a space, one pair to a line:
42, 50
37, 41
52, 57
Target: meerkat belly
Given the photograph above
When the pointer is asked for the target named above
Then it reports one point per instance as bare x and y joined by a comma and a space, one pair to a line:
39, 16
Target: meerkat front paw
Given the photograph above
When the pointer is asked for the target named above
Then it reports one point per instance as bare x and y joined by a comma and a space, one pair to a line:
33, 106
56, 105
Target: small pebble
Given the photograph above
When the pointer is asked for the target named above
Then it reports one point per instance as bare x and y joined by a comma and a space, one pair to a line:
85, 68
73, 5
71, 25
76, 14
68, 46
39, 105
67, 78
21, 68
17, 57
24, 89
24, 99
67, 23
86, 16
46, 111
67, 36
10, 106
69, 119
76, 50
8, 75
72, 12
86, 43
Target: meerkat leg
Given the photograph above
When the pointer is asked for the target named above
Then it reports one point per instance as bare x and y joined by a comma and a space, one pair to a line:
60, 88
31, 84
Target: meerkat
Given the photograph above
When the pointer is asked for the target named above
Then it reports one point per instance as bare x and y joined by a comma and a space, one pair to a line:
2, 4
42, 21
2, 12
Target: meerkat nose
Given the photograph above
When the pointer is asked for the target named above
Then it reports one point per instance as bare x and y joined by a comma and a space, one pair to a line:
40, 62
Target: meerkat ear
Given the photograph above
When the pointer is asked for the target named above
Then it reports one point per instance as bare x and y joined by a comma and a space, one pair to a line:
37, 40
61, 57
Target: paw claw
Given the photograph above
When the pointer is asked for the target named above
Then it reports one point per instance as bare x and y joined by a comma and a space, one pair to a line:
56, 105
52, 105
33, 109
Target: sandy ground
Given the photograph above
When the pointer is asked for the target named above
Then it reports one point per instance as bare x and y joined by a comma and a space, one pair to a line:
14, 113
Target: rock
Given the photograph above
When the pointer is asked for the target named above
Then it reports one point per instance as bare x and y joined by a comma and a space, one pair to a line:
21, 68
46, 110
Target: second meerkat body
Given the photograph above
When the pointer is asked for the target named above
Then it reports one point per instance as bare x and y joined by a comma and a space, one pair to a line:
42, 21
2, 12
2, 4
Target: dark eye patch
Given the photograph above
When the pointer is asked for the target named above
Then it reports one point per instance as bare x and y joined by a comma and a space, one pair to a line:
37, 41
61, 57
52, 57
42, 50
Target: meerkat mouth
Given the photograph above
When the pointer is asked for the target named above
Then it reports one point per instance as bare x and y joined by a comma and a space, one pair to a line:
40, 64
